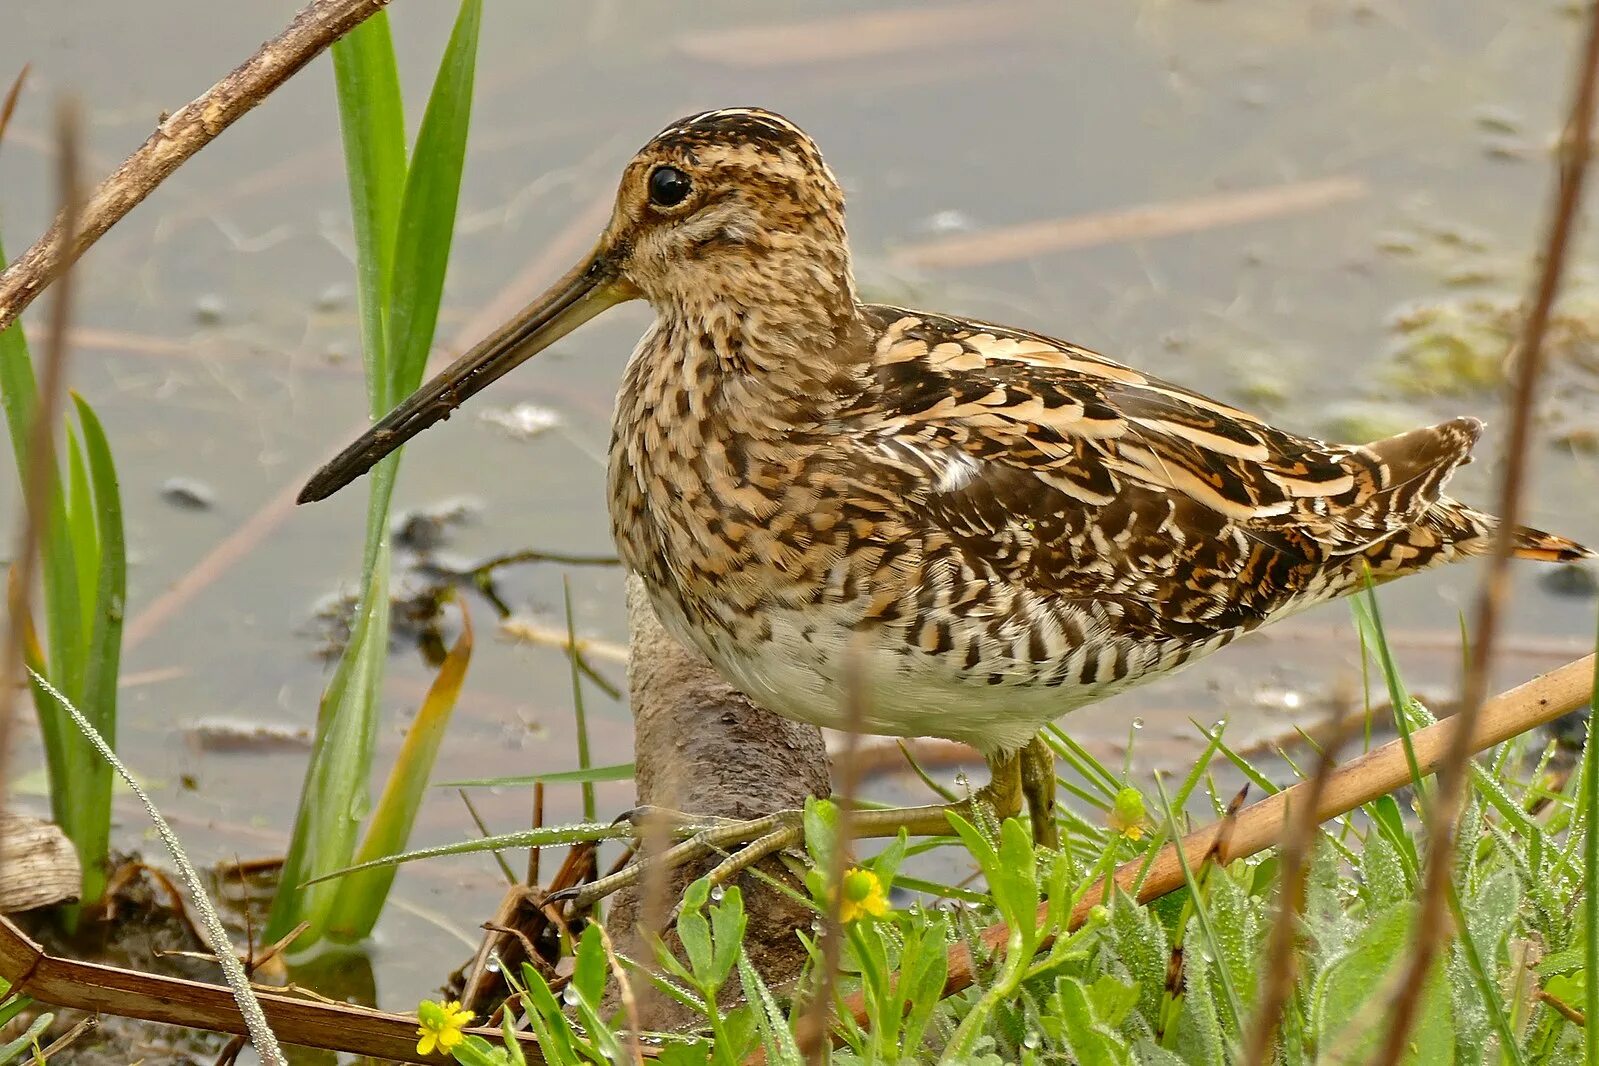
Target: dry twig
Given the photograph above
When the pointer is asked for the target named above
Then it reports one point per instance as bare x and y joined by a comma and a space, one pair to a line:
1444, 810
1277, 984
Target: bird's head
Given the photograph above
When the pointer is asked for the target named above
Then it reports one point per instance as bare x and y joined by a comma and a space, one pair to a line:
728, 223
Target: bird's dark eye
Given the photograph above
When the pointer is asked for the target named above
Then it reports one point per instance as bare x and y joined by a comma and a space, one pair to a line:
668, 186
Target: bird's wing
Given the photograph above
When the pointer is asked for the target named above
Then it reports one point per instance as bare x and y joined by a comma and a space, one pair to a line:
1073, 474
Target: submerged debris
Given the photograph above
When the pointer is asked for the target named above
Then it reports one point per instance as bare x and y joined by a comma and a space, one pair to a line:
426, 529
187, 494
229, 735
1461, 346
522, 422
417, 618
1579, 579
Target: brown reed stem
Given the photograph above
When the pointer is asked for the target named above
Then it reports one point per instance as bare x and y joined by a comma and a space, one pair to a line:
40, 470
1444, 812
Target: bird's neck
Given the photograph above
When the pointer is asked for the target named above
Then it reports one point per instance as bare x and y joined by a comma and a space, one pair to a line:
761, 348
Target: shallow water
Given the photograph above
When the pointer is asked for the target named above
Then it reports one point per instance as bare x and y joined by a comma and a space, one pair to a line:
1404, 146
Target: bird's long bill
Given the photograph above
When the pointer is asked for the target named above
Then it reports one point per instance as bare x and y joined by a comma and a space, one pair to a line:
590, 288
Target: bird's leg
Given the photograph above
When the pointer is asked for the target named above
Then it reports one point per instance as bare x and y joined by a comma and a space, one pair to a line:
1004, 796
1038, 786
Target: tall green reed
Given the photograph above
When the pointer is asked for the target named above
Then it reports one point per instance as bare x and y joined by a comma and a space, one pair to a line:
404, 216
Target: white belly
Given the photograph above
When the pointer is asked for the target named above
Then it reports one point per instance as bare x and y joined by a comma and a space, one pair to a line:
798, 673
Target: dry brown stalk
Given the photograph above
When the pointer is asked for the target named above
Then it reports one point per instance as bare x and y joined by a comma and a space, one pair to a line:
1136, 223
1444, 810
8, 106
41, 466
1277, 984
1361, 780
178, 137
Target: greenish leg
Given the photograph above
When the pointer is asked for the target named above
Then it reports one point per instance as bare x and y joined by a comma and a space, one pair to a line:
1038, 785
1014, 781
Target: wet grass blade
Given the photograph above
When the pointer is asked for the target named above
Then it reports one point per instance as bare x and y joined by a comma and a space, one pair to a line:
427, 212
334, 794
360, 898
372, 124
622, 771
549, 837
584, 762
103, 662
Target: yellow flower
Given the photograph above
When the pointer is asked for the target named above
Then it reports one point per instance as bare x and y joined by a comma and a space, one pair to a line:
1127, 814
441, 1025
862, 894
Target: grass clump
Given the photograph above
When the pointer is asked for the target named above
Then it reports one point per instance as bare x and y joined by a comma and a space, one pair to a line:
78, 648
1063, 971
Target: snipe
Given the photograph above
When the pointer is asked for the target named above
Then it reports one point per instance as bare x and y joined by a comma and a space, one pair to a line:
1006, 526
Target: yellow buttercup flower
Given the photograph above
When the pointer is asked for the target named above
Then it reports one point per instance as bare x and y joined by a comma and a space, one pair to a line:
1127, 814
441, 1025
862, 893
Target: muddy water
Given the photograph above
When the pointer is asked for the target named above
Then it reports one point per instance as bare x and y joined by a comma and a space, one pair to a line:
1400, 150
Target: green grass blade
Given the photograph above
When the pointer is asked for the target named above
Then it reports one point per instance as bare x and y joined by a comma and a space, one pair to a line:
80, 526
622, 771
104, 661
427, 212
584, 761
334, 798
19, 398
360, 897
547, 837
372, 122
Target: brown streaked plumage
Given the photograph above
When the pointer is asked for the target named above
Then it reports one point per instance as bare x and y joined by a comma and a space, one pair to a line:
1008, 525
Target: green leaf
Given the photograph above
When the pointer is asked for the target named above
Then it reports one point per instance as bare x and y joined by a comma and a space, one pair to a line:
1390, 822
1087, 1035
360, 897
80, 525
622, 771
695, 933
334, 798
1344, 984
372, 122
920, 982
1382, 875
1142, 945
1199, 1031
103, 663
728, 922
589, 966
14, 1050
427, 210
548, 1022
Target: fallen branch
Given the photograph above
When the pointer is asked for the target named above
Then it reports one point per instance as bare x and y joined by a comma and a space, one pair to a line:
309, 1023
178, 137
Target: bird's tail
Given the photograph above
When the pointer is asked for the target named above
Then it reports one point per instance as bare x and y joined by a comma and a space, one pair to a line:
1449, 530
1544, 547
